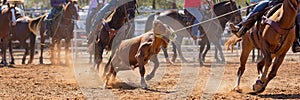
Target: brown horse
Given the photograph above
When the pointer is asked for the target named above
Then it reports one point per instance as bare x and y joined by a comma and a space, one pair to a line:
274, 40
62, 28
7, 20
21, 33
105, 35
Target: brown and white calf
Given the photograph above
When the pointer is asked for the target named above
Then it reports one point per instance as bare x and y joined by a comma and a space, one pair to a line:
137, 51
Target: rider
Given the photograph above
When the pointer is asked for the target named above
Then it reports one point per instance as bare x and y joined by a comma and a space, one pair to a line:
242, 27
296, 44
208, 8
93, 7
57, 7
192, 6
104, 11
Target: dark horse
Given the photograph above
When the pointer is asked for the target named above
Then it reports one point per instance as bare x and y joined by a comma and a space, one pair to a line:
21, 33
61, 28
213, 28
110, 26
7, 20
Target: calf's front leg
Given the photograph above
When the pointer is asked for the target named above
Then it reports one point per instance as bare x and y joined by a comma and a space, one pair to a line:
140, 57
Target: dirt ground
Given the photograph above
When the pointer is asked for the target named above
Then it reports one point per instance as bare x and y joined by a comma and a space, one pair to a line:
178, 81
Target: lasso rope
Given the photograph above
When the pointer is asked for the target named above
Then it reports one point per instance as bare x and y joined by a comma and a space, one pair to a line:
184, 28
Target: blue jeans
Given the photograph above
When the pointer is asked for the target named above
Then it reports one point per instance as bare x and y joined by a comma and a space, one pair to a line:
195, 29
259, 7
196, 13
53, 13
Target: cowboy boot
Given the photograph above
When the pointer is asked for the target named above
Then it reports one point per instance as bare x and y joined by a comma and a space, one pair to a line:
296, 46
238, 31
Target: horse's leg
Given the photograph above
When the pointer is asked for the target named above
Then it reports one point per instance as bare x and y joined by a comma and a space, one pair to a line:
52, 51
32, 47
42, 44
11, 53
202, 46
98, 55
25, 45
219, 48
179, 41
154, 59
67, 51
5, 43
58, 47
260, 66
276, 64
259, 55
246, 49
108, 75
216, 55
165, 51
206, 50
253, 55
174, 51
258, 86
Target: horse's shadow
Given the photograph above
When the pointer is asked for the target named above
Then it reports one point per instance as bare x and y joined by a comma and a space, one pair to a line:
280, 96
126, 86
9, 66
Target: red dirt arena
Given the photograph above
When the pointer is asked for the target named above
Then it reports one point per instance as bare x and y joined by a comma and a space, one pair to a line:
178, 81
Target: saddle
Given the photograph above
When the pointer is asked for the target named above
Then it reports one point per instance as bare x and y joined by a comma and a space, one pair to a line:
187, 17
257, 31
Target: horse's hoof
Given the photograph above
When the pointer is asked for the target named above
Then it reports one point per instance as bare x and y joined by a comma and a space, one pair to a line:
173, 60
12, 63
5, 63
145, 86
41, 62
201, 62
238, 90
258, 86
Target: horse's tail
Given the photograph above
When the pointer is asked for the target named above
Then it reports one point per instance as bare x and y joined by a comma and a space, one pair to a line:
149, 22
231, 42
34, 24
32, 46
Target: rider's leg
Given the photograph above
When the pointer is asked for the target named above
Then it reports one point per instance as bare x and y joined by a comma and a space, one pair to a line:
197, 14
103, 12
296, 44
242, 27
195, 32
54, 12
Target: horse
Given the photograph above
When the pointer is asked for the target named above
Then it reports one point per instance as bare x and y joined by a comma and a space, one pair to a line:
175, 20
21, 32
7, 20
274, 37
62, 28
110, 26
